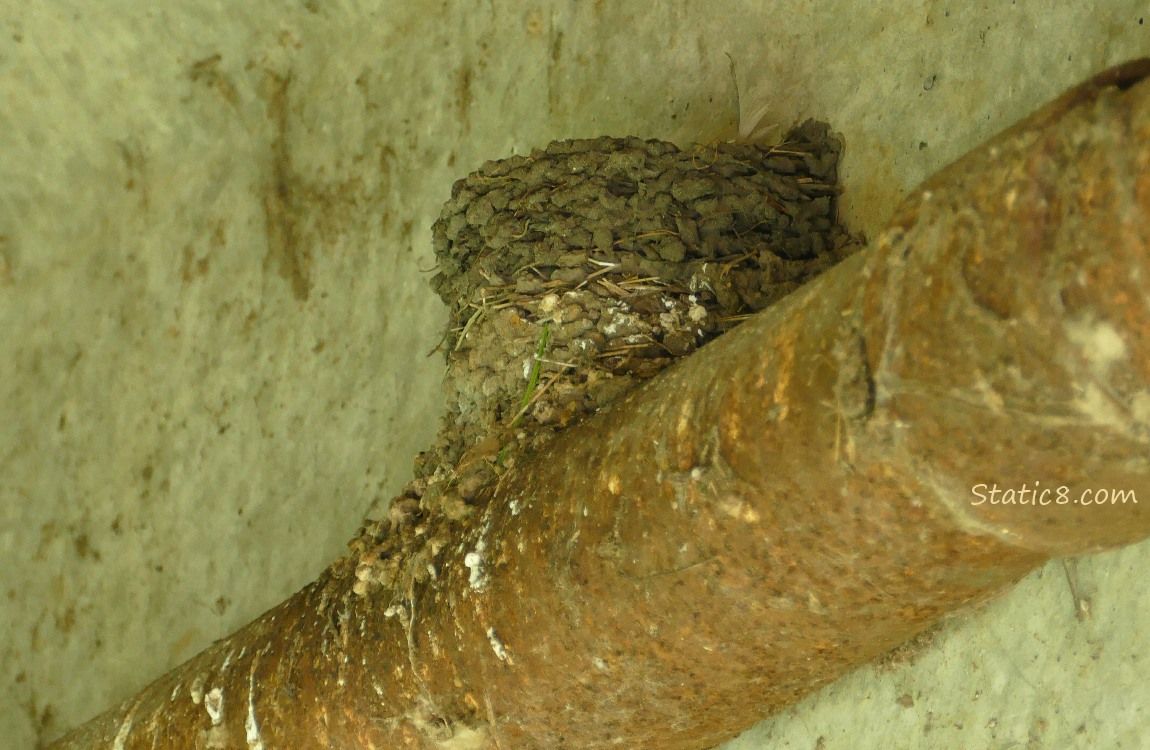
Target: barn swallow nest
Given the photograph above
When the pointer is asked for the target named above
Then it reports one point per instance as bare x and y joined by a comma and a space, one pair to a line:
583, 269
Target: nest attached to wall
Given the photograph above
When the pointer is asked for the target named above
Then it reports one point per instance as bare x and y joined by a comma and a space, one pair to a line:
581, 270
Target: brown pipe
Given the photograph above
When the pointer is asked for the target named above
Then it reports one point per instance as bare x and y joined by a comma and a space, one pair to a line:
1006, 313
789, 503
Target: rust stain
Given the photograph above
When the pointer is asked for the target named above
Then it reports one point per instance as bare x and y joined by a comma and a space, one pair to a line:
464, 97
281, 199
192, 266
6, 264
207, 73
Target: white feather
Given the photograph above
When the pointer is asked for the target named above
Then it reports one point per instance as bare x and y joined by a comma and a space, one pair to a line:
753, 106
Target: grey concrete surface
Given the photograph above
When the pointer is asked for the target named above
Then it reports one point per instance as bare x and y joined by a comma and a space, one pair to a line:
214, 242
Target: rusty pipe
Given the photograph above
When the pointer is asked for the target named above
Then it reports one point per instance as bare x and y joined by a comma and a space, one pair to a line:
789, 503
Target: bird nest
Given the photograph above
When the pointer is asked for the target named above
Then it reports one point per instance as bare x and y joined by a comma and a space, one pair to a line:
575, 273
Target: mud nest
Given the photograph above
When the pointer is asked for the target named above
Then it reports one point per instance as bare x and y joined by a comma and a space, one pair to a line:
581, 270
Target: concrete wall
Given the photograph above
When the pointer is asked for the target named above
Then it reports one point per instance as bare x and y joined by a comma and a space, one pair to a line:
214, 322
